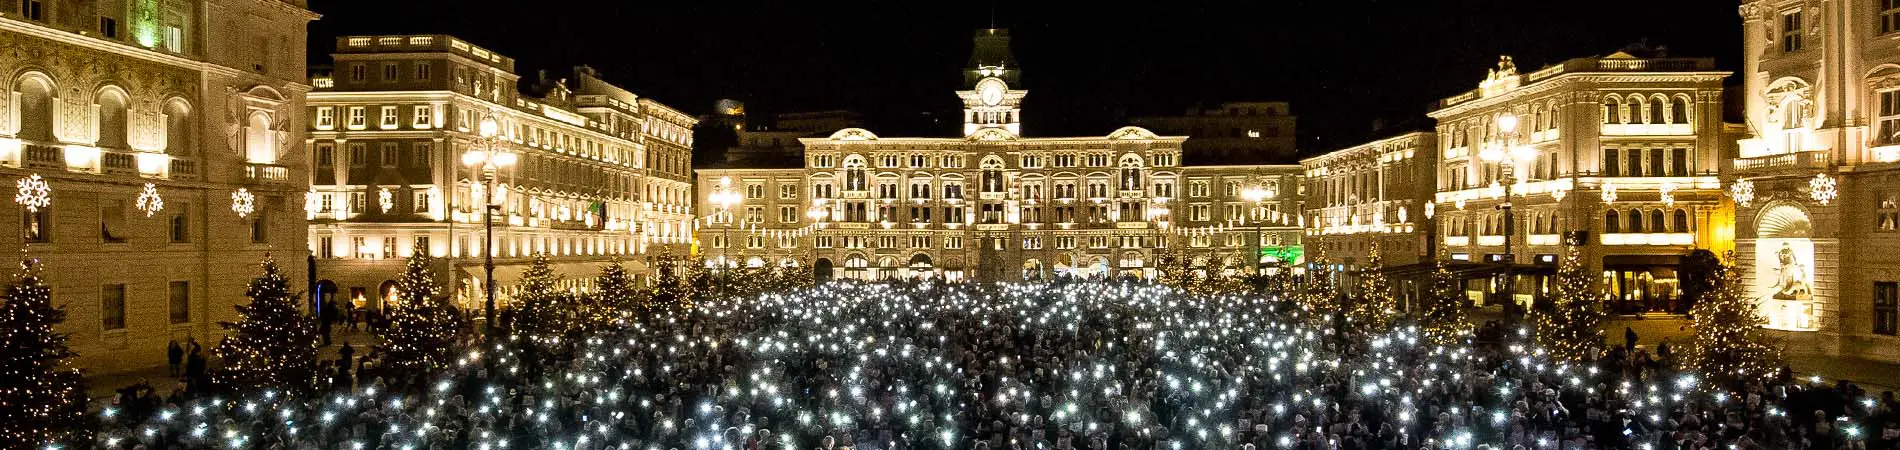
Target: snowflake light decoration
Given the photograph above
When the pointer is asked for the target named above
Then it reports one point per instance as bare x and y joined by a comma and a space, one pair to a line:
1668, 193
243, 202
386, 199
149, 201
1823, 188
34, 193
1558, 193
1609, 193
1743, 191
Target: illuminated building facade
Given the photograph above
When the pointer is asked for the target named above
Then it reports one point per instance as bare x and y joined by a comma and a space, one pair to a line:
1373, 194
1618, 153
584, 171
165, 133
993, 205
1817, 193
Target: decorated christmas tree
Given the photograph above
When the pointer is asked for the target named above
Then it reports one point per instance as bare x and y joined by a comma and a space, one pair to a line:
41, 400
1573, 329
1444, 319
1729, 345
671, 288
1374, 309
422, 324
615, 296
1320, 296
541, 308
273, 345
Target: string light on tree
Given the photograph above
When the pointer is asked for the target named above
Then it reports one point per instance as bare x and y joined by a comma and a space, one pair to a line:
243, 202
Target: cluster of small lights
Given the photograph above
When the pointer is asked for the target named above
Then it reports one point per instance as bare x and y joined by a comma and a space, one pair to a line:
929, 365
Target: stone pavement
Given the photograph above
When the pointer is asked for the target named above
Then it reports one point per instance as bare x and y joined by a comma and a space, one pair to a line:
104, 387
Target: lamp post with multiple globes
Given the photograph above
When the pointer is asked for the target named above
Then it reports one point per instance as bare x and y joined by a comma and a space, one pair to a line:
1254, 195
725, 197
818, 216
488, 161
1507, 154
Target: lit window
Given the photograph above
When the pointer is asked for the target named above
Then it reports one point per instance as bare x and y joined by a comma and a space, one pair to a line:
1791, 30
424, 116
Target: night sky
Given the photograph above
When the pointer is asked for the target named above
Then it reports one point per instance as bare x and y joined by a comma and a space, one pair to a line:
1342, 63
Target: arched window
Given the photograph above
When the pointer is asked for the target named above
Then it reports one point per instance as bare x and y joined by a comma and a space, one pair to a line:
1550, 116
259, 144
1656, 224
992, 174
1681, 220
1611, 110
1131, 173
1681, 110
1657, 113
112, 114
854, 173
1611, 222
36, 109
177, 128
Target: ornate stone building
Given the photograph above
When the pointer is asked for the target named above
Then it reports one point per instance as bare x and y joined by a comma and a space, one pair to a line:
1814, 180
1618, 153
995, 205
166, 132
1374, 194
398, 147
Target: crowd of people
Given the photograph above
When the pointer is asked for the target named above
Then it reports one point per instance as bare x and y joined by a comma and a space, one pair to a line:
1093, 365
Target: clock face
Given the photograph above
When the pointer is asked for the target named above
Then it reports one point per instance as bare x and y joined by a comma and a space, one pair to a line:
991, 92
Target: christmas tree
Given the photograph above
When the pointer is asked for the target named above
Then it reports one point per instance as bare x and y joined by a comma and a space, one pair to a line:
541, 309
1374, 308
273, 345
41, 401
1729, 346
1321, 295
422, 324
1573, 329
671, 288
614, 296
1444, 319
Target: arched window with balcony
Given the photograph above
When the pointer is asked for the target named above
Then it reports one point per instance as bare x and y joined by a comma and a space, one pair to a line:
1681, 109
1658, 109
35, 108
854, 177
1635, 221
992, 174
1131, 173
1612, 223
259, 142
1681, 220
178, 127
1612, 109
1656, 224
111, 104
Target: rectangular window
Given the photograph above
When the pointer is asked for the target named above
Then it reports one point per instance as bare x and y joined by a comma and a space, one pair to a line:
421, 203
754, 191
326, 117
787, 191
38, 225
180, 223
1197, 189
1889, 16
1889, 132
326, 156
389, 72
1635, 159
109, 27
388, 118
358, 202
423, 116
358, 72
420, 153
423, 71
1887, 216
821, 241
788, 214
359, 155
260, 227
1886, 307
358, 117
326, 247
1791, 30
389, 247
112, 221
1656, 163
389, 154
953, 242
180, 302
1679, 162
1610, 166
112, 307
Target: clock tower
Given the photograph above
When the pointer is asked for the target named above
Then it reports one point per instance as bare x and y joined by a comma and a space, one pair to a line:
991, 101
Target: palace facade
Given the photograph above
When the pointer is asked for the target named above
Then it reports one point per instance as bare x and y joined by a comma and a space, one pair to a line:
1372, 197
995, 205
1814, 180
165, 133
1618, 154
414, 137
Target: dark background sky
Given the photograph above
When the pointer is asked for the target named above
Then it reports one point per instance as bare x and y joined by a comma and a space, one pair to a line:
1342, 63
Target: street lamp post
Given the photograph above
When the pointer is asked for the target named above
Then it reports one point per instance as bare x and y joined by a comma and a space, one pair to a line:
1506, 155
487, 160
1254, 195
818, 216
725, 197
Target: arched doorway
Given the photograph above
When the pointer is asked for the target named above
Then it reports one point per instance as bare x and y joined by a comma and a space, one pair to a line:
886, 268
855, 267
1032, 269
1065, 265
325, 298
386, 295
920, 266
821, 270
